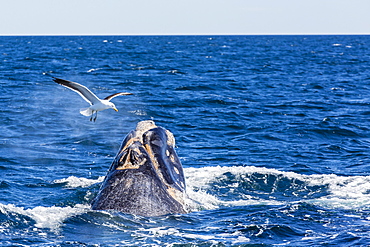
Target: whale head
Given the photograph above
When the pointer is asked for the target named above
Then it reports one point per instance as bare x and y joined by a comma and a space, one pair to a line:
146, 177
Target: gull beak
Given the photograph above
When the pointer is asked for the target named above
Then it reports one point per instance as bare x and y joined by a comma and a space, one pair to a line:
115, 109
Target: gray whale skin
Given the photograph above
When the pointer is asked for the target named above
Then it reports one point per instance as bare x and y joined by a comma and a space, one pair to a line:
146, 177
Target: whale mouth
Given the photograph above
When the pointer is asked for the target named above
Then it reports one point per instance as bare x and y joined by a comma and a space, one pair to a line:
151, 147
146, 177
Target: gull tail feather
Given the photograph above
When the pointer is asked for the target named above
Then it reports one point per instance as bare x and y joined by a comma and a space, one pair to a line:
86, 112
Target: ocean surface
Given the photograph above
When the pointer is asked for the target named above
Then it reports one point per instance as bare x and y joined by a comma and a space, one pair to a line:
273, 133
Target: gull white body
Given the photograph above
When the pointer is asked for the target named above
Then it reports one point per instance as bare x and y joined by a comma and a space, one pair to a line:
96, 107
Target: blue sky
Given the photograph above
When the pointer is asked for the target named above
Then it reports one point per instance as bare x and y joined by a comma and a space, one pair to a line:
121, 17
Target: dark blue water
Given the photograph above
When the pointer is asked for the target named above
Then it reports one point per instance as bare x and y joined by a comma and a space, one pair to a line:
273, 133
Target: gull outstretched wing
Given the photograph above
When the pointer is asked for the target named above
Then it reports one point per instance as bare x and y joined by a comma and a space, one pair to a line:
83, 91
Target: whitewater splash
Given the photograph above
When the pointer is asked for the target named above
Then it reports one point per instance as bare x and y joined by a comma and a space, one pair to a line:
214, 187
344, 192
75, 182
45, 217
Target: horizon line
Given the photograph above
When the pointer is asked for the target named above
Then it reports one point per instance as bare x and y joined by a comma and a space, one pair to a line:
189, 34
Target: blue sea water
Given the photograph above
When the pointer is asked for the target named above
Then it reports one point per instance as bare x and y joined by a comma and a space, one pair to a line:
272, 132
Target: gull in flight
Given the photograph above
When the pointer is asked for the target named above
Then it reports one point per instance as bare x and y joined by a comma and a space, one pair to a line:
96, 104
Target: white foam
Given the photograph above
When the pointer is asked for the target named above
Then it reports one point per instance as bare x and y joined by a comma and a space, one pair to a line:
199, 200
235, 237
93, 70
74, 182
46, 217
139, 112
199, 180
347, 192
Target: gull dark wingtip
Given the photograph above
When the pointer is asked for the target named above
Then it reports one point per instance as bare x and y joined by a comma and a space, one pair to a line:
60, 81
57, 80
115, 95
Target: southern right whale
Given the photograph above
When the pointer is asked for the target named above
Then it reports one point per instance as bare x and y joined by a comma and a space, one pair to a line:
146, 177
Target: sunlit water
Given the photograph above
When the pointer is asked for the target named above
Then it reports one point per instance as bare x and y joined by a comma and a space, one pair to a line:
272, 131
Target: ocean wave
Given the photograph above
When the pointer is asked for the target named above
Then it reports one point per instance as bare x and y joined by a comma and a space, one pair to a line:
250, 185
44, 217
74, 182
199, 228
341, 192
212, 239
274, 187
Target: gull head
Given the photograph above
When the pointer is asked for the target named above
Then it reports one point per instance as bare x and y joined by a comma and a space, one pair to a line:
111, 105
